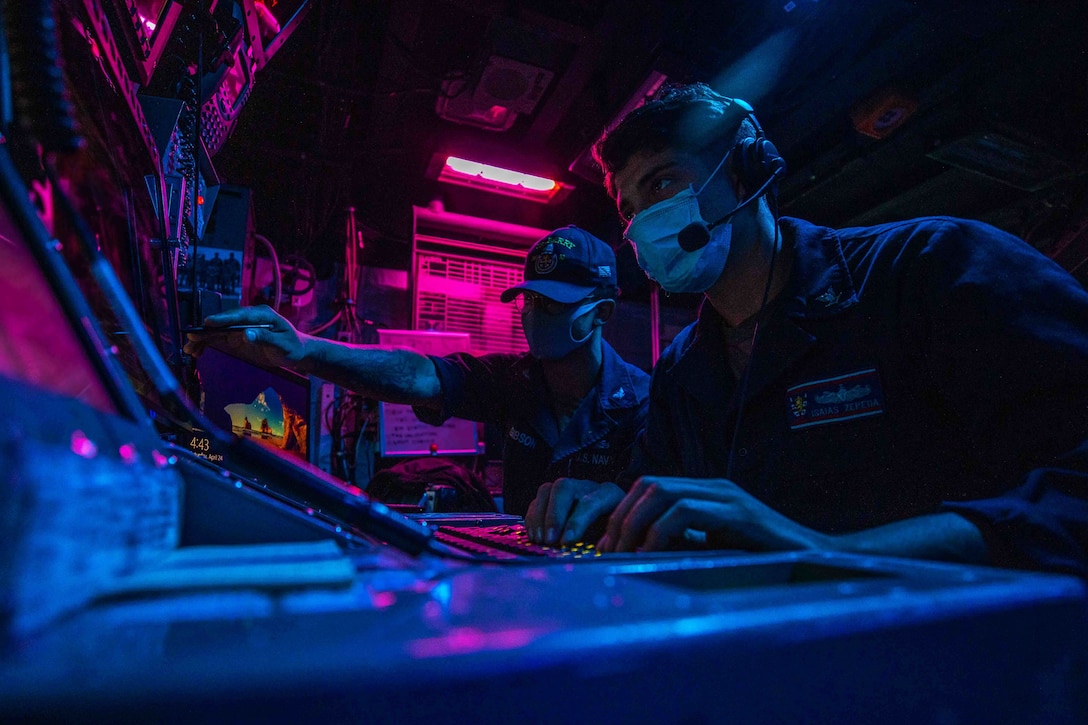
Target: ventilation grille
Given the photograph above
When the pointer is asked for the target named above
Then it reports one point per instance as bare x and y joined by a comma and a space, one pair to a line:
511, 84
461, 294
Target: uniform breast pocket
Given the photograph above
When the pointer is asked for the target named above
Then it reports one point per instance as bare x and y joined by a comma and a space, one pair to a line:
831, 424
833, 450
835, 477
594, 464
820, 457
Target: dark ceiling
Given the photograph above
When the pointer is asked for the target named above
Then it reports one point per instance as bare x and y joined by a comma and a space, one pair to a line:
980, 108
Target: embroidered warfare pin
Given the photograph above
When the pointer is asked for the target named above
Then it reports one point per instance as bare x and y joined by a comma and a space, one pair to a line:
832, 400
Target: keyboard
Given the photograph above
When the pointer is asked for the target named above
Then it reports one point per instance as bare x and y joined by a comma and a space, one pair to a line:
506, 542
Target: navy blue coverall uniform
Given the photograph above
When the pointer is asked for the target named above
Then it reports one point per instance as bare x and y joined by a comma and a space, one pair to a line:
931, 365
509, 390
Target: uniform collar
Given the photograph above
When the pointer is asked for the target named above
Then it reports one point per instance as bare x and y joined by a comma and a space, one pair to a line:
820, 286
617, 388
820, 283
597, 414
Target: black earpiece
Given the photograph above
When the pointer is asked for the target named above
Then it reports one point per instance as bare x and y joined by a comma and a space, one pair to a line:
755, 160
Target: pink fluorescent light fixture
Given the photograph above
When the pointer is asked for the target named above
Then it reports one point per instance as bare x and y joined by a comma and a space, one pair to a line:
501, 175
495, 179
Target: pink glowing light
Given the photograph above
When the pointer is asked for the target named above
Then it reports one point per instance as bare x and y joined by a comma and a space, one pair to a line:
82, 445
468, 640
499, 174
161, 460
128, 453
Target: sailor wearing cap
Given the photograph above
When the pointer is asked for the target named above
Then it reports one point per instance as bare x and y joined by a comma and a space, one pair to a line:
569, 409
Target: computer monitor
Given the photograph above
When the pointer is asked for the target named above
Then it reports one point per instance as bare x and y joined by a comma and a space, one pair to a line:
222, 262
276, 408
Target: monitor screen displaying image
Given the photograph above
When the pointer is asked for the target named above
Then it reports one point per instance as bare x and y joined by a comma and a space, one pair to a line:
275, 408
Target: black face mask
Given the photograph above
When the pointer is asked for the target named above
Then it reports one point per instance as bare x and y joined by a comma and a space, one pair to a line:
551, 337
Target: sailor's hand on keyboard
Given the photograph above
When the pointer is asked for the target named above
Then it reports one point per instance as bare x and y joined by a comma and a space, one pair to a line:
658, 512
256, 334
564, 509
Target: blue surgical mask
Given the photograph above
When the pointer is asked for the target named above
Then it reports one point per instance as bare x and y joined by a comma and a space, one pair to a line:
654, 233
551, 337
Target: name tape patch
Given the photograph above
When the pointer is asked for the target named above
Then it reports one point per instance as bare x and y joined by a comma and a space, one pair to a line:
831, 400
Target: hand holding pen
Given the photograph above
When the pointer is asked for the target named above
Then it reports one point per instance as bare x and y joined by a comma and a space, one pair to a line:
223, 329
256, 334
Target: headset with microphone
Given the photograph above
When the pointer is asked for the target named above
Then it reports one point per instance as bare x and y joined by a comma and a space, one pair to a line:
756, 162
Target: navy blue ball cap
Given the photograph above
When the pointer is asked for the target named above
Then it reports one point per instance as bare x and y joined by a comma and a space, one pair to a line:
567, 265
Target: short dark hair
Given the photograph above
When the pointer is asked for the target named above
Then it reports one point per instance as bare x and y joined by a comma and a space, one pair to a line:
692, 117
